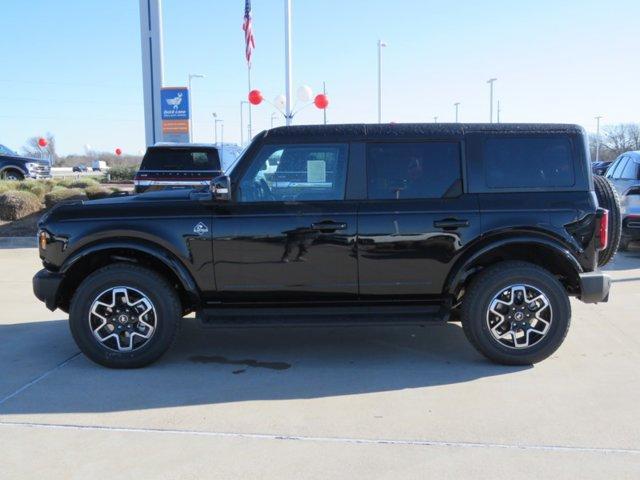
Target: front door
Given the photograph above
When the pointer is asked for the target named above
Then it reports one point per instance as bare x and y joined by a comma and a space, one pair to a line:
415, 220
288, 234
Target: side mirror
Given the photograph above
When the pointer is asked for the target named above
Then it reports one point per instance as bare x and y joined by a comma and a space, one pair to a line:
221, 188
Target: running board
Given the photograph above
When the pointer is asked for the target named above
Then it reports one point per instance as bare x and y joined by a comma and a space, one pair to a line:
226, 316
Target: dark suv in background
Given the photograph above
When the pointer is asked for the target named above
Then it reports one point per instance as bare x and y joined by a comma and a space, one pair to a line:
181, 165
15, 167
492, 225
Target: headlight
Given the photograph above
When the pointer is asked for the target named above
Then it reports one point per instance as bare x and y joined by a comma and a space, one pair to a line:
31, 166
43, 239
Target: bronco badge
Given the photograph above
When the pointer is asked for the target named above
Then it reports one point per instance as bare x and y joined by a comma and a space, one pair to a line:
200, 229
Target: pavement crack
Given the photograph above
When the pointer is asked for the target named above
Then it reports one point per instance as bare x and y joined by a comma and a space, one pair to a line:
38, 379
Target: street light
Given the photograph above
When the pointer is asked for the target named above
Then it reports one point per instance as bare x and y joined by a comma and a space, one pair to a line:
435, 119
598, 118
457, 105
242, 102
192, 75
216, 121
381, 45
490, 82
273, 117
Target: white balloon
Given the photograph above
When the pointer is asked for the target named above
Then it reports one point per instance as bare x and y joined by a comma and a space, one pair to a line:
279, 101
305, 94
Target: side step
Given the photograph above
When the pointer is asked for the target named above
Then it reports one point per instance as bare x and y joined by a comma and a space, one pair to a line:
352, 315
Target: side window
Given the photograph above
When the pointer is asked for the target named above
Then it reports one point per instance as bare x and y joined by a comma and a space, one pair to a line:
528, 162
413, 170
617, 169
630, 171
296, 173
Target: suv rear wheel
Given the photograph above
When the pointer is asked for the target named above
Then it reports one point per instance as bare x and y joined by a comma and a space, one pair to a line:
12, 175
124, 316
608, 198
516, 313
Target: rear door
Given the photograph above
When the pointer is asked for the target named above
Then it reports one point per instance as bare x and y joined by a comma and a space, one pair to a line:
416, 218
290, 234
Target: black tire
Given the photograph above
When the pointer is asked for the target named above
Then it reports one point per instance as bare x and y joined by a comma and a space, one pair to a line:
154, 287
608, 198
489, 283
12, 175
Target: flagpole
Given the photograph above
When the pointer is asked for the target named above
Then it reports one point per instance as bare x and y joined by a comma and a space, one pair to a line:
287, 54
249, 123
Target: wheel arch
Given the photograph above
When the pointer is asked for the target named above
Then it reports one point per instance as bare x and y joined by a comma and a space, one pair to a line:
11, 167
94, 256
542, 251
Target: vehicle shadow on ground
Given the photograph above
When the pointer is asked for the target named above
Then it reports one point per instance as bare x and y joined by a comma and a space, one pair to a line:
211, 366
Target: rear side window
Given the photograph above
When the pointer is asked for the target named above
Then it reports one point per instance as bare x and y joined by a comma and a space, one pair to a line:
398, 171
630, 171
180, 159
528, 162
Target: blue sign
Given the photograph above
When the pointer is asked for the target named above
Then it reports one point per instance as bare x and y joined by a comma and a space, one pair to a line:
174, 103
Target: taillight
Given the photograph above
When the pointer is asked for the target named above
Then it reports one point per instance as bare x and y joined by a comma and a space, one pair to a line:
603, 232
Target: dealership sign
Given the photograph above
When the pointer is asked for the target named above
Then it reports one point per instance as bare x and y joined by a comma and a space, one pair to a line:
174, 104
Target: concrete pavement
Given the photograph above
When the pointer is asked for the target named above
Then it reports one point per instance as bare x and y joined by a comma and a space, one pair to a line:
319, 403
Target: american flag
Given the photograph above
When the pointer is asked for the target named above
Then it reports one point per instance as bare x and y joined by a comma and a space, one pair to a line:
248, 31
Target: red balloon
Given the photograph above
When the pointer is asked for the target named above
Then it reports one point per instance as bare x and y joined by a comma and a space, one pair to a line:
321, 101
118, 152
42, 142
255, 97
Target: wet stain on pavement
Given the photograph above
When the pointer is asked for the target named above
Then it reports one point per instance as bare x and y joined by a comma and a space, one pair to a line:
248, 363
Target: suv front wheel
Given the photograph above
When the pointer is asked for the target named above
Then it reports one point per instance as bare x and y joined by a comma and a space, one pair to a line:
124, 316
516, 313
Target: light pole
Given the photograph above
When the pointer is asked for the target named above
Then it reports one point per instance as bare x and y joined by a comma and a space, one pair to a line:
287, 62
435, 119
324, 110
498, 112
457, 105
598, 118
191, 75
273, 117
381, 45
242, 102
490, 82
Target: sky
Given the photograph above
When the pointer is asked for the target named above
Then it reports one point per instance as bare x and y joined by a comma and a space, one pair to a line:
73, 67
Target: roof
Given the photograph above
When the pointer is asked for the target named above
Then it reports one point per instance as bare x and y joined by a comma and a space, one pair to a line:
184, 145
417, 129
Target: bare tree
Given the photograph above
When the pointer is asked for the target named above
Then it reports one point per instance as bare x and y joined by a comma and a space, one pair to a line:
31, 148
615, 140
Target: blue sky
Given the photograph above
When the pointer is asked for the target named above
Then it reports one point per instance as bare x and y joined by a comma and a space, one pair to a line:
73, 68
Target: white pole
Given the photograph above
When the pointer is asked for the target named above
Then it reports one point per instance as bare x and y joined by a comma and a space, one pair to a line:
241, 126
457, 105
249, 123
190, 109
152, 67
380, 45
598, 118
498, 112
287, 62
490, 82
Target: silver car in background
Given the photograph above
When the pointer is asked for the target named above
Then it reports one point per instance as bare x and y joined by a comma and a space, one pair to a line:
624, 173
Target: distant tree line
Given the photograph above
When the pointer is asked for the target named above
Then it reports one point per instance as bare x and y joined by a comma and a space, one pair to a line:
615, 140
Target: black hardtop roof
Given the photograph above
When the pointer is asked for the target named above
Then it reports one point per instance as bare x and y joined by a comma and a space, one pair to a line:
416, 130
200, 146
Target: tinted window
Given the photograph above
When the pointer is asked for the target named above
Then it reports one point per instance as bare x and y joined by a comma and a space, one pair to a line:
615, 167
7, 151
630, 171
296, 173
413, 170
528, 162
180, 159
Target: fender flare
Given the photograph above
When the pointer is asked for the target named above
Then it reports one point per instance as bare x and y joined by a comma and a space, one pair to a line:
14, 167
461, 269
156, 251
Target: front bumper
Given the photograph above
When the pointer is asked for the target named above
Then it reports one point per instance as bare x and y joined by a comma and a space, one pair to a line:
45, 287
594, 287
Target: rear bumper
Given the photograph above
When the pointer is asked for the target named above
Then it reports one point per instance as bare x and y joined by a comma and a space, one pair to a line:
594, 287
45, 287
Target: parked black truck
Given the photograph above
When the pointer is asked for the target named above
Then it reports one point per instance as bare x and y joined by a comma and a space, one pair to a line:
492, 225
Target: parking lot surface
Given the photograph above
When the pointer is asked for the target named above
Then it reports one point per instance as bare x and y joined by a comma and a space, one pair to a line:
319, 403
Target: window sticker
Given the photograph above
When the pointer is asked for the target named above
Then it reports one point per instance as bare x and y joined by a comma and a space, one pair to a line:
316, 171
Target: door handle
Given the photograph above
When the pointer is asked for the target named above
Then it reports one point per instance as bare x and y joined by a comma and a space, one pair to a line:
451, 223
328, 226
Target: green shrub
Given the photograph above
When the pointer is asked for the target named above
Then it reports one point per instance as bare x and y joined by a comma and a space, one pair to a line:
61, 194
6, 185
97, 191
39, 189
122, 173
16, 204
82, 183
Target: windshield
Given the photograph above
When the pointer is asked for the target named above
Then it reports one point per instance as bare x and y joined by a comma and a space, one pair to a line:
228, 169
180, 159
7, 151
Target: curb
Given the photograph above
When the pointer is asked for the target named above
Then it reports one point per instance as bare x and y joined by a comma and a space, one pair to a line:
18, 242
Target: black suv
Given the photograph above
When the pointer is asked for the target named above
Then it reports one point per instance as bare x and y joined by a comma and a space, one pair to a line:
492, 225
15, 167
